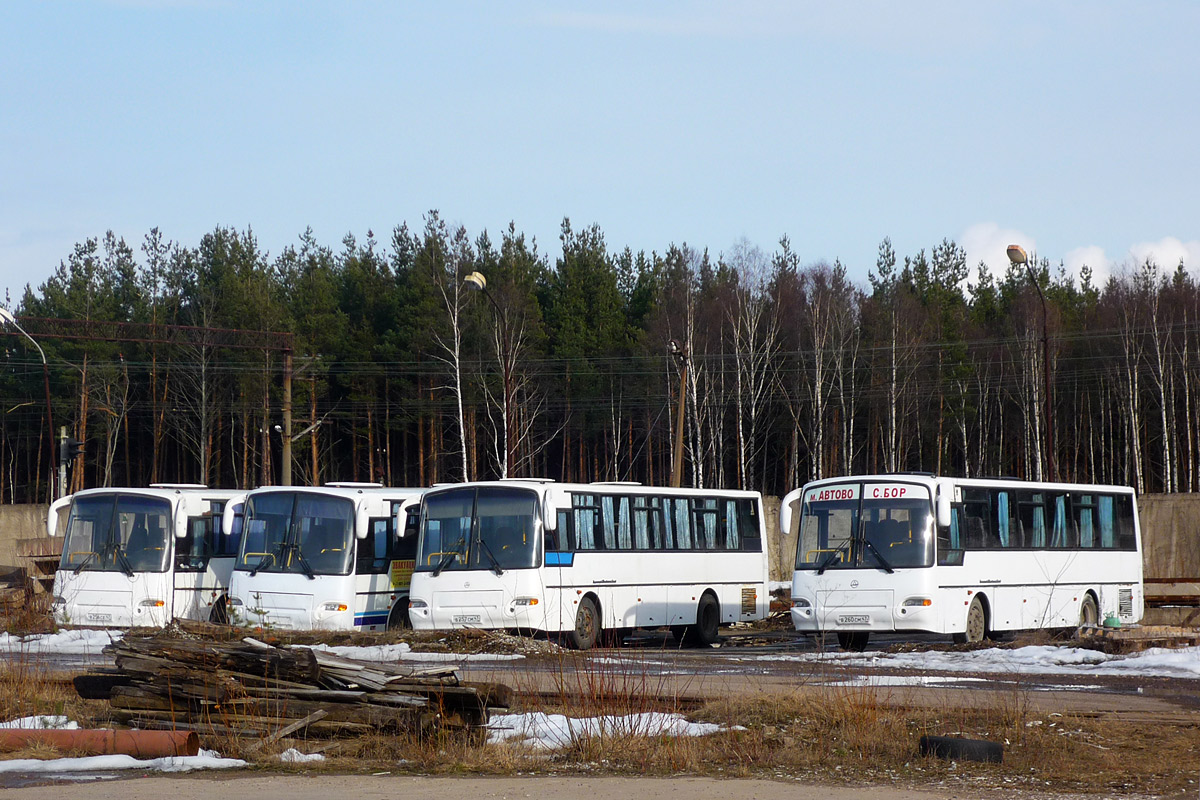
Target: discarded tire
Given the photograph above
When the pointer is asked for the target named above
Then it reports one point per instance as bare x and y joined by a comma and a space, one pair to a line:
957, 749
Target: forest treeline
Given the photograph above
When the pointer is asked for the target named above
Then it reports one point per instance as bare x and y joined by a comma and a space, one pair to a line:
406, 374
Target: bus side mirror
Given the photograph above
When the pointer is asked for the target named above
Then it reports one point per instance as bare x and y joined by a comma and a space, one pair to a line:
785, 511
401, 523
182, 513
52, 517
362, 519
943, 506
549, 512
235, 507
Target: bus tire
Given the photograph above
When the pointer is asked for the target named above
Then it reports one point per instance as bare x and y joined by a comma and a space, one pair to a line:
853, 641
587, 626
219, 615
977, 627
398, 619
1089, 612
955, 748
708, 620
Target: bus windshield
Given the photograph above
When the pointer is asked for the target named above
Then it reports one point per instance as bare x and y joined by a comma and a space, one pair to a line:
475, 528
118, 533
298, 532
876, 526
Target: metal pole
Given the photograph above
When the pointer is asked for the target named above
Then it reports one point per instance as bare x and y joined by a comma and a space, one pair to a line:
62, 464
677, 464
285, 477
1047, 405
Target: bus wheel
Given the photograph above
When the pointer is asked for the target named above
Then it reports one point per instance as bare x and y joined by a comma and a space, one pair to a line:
587, 626
853, 641
1088, 613
708, 618
398, 619
976, 625
219, 614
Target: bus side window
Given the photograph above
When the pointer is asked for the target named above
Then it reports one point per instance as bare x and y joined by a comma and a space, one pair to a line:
374, 552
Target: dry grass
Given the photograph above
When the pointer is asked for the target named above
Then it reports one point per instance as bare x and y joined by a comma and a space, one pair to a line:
812, 733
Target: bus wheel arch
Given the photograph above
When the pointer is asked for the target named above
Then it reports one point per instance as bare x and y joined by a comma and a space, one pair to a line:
587, 629
398, 618
977, 627
1089, 609
219, 613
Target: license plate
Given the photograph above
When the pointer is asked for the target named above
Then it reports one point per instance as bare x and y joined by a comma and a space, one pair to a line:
94, 617
467, 619
853, 619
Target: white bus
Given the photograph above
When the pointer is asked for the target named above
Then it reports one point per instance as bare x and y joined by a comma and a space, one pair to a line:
589, 560
970, 558
141, 557
328, 558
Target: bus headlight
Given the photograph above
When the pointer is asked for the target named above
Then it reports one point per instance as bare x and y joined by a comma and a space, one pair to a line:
334, 607
525, 601
914, 603
152, 603
59, 600
235, 601
800, 602
417, 604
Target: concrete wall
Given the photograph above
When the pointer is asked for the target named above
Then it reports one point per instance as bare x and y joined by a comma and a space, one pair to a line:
16, 523
1170, 531
1171, 535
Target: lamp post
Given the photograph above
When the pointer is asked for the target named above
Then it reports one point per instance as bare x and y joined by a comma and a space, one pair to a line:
477, 280
1016, 254
681, 357
7, 318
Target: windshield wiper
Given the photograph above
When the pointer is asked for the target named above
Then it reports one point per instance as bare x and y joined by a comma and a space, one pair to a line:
123, 561
87, 560
883, 562
453, 554
266, 559
496, 568
828, 561
304, 565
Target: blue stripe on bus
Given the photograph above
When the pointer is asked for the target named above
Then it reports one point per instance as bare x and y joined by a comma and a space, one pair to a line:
377, 618
560, 559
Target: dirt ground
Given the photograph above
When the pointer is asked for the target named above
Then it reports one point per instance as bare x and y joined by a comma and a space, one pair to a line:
383, 787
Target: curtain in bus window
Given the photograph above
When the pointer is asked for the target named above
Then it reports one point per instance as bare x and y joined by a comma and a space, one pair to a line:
683, 523
705, 529
733, 528
1002, 519
1061, 534
585, 522
641, 524
608, 522
1107, 538
624, 532
1086, 523
668, 520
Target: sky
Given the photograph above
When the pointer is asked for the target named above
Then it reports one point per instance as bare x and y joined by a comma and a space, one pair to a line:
1066, 127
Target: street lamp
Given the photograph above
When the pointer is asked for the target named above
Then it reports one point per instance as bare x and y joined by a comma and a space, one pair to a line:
7, 318
477, 281
681, 356
1016, 255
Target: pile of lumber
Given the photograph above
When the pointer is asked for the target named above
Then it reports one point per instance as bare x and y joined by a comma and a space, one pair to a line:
1135, 638
165, 682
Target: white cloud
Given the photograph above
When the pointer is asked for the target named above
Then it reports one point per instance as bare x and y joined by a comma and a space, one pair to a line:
988, 242
1167, 253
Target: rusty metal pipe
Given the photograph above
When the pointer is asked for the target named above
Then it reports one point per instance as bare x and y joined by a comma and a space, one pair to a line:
101, 742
